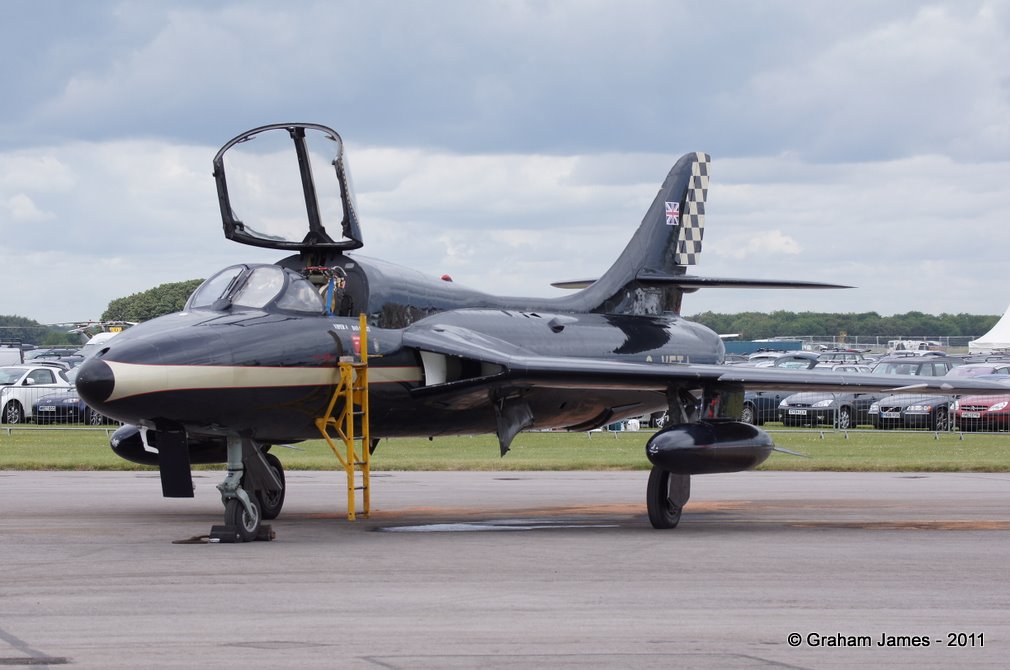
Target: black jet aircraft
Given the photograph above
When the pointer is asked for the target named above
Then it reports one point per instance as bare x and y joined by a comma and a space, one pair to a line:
251, 361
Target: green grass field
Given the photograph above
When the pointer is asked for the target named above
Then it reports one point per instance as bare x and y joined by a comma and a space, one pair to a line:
88, 449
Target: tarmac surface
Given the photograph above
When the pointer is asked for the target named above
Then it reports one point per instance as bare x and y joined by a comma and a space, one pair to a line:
506, 570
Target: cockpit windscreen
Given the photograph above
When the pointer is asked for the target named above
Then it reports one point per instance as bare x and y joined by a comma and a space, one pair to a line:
258, 287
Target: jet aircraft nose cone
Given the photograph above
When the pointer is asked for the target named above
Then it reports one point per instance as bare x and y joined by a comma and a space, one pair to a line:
95, 382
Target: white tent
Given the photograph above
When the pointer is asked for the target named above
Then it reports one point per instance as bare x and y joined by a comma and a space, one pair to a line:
997, 339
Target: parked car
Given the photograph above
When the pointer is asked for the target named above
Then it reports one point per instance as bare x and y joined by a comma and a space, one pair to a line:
842, 410
66, 406
22, 385
857, 368
981, 369
795, 360
917, 347
913, 366
917, 366
982, 412
840, 356
792, 360
761, 406
11, 355
96, 343
907, 410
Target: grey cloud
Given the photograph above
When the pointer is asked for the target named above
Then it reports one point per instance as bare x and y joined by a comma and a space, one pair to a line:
561, 77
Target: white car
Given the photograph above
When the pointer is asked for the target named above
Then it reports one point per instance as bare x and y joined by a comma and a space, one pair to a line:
22, 385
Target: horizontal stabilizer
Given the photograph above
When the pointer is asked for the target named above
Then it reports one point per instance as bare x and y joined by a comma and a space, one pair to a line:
695, 282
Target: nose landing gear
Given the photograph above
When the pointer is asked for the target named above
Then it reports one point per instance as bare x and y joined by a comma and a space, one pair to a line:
262, 474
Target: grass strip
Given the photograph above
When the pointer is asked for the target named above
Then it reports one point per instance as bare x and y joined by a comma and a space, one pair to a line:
856, 451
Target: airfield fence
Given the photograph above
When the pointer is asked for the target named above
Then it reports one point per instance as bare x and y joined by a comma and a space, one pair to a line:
894, 412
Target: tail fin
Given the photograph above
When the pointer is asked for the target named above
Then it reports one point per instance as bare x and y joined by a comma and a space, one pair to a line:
650, 276
667, 241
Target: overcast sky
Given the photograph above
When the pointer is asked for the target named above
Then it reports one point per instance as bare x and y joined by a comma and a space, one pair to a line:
511, 144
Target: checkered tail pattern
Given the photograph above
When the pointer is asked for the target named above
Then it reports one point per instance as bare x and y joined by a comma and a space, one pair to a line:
692, 219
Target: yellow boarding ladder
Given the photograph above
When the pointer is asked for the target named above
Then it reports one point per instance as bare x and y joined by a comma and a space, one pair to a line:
352, 389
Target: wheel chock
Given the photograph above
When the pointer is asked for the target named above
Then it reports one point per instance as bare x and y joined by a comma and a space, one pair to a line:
224, 534
227, 534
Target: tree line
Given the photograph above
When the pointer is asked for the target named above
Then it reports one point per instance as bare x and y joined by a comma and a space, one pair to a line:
163, 299
761, 325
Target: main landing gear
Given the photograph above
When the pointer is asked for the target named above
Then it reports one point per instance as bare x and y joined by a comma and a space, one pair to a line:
666, 496
252, 491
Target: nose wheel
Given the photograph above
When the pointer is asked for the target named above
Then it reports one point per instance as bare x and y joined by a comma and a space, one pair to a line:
246, 521
253, 490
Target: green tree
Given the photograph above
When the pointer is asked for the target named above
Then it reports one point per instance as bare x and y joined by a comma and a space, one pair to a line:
759, 325
160, 300
32, 332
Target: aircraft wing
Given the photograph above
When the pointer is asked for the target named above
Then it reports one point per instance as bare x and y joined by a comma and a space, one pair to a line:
506, 364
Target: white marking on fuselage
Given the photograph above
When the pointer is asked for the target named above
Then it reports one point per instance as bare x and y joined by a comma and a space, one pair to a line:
132, 379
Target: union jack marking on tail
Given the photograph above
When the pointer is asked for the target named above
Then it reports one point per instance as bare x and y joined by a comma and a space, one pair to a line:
672, 213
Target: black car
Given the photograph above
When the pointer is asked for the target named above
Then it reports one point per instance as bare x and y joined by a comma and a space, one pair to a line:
908, 410
841, 410
761, 406
65, 407
922, 411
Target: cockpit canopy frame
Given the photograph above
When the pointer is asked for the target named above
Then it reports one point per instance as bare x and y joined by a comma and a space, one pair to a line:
256, 286
316, 237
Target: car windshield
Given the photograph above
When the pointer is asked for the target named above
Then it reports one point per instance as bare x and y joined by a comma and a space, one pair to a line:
897, 368
10, 375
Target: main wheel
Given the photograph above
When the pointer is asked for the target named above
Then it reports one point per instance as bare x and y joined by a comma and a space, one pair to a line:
13, 412
271, 502
235, 514
665, 497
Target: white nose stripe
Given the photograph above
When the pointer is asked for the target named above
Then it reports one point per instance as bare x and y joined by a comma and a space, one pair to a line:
132, 379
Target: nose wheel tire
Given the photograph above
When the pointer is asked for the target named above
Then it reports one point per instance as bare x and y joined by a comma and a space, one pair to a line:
247, 524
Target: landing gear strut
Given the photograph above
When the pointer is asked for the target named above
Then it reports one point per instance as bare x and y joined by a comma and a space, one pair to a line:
666, 496
252, 491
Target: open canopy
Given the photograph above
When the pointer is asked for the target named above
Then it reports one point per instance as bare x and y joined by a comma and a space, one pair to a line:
270, 198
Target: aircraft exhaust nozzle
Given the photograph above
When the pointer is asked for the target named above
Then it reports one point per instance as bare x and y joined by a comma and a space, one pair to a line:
707, 447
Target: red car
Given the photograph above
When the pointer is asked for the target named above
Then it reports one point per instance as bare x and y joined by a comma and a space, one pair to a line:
982, 412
